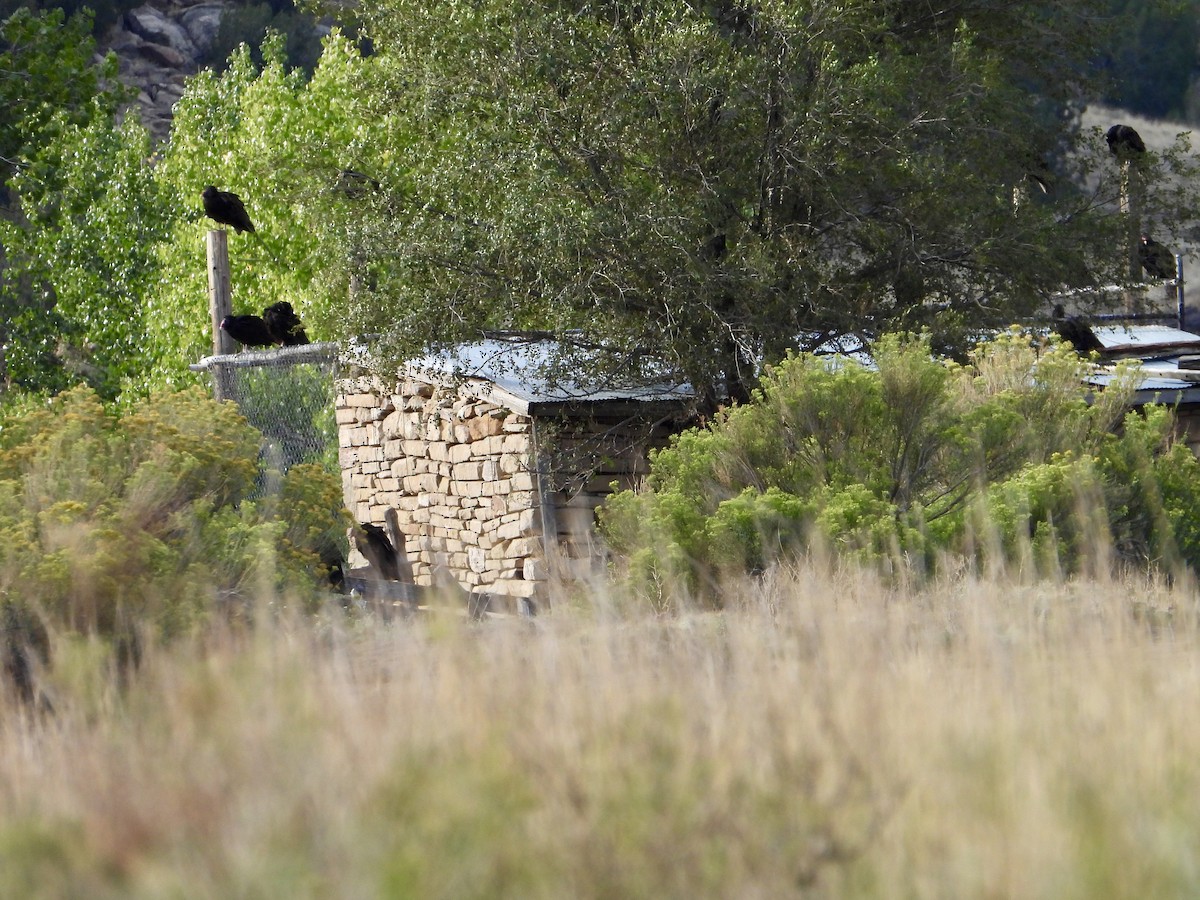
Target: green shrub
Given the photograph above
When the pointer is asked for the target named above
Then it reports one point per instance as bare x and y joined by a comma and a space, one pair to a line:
1005, 459
117, 524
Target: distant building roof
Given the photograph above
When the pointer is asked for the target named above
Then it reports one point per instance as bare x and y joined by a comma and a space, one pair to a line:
1145, 340
1161, 349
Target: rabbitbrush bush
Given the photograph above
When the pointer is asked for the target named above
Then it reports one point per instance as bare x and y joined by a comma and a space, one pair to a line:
1003, 461
111, 523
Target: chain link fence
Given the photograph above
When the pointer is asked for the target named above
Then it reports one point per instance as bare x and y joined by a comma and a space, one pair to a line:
288, 395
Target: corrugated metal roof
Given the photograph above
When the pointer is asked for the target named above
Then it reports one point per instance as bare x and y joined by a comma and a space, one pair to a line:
1144, 337
532, 372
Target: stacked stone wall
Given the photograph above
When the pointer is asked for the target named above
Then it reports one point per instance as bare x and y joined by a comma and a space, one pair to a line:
459, 472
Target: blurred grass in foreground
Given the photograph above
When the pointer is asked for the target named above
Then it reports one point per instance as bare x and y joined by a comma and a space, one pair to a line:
826, 735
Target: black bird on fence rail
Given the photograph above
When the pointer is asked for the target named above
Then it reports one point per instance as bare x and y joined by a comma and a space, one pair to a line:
249, 331
284, 325
1124, 141
225, 208
1075, 331
1157, 260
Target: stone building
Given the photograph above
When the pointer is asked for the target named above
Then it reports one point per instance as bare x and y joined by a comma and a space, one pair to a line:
486, 471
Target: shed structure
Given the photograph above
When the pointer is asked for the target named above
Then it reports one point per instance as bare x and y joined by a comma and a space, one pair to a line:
1170, 370
486, 470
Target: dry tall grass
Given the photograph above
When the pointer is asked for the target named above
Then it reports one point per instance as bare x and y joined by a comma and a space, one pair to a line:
830, 736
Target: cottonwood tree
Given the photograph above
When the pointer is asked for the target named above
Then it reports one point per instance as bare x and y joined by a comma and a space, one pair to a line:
79, 213
711, 182
278, 140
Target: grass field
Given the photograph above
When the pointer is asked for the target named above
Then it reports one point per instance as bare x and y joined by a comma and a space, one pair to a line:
830, 735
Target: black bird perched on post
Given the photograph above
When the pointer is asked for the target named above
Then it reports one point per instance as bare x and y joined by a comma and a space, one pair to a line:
225, 208
1123, 140
284, 325
1157, 260
249, 331
1075, 331
373, 543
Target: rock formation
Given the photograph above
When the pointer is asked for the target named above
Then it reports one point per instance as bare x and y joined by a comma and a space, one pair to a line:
159, 45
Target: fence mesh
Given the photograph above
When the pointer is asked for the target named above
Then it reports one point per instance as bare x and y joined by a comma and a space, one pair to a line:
288, 395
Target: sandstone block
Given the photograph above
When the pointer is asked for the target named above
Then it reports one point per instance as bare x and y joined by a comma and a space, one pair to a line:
469, 488
467, 471
534, 569
515, 443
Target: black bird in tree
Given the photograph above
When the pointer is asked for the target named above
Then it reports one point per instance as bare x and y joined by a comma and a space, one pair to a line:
1038, 172
225, 208
1076, 332
249, 331
1157, 260
1124, 141
355, 185
284, 325
374, 544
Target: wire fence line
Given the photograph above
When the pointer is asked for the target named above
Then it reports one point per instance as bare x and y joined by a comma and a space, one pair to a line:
288, 395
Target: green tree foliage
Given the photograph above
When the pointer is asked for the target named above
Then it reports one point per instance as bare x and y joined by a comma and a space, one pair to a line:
279, 141
713, 182
251, 23
82, 257
46, 71
1002, 460
82, 213
116, 522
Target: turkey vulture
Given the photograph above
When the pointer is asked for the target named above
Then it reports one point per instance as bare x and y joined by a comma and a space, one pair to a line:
1123, 140
1157, 260
284, 325
249, 331
225, 208
373, 543
1076, 332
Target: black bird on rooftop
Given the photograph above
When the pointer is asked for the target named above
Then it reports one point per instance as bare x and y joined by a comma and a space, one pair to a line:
373, 543
284, 325
225, 208
249, 331
1076, 332
1157, 260
1124, 141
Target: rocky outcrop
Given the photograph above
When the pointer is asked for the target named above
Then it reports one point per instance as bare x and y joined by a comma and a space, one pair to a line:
158, 46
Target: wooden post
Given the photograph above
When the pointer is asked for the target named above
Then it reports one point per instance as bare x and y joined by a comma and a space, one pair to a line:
220, 304
1131, 205
1180, 296
220, 295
